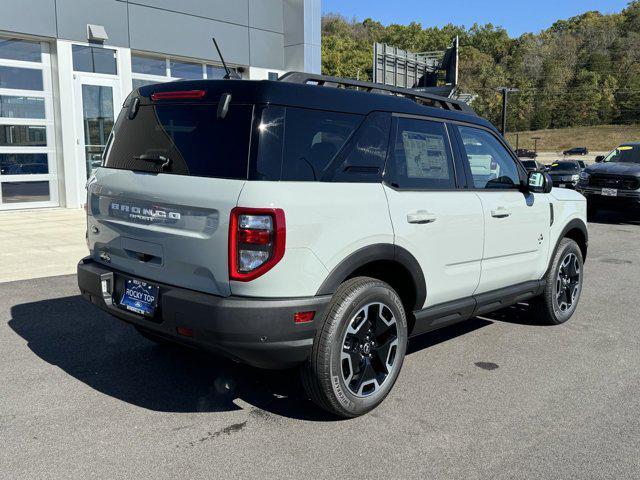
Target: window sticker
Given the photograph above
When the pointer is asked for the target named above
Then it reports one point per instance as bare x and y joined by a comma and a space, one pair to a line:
426, 155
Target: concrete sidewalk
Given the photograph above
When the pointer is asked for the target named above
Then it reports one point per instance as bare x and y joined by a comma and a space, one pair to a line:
41, 243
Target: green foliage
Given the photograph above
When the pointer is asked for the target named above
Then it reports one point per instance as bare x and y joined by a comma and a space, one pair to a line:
580, 72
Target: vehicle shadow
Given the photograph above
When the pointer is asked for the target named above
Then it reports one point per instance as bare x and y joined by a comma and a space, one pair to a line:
112, 358
617, 217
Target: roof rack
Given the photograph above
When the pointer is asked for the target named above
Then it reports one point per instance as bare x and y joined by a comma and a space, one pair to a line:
420, 97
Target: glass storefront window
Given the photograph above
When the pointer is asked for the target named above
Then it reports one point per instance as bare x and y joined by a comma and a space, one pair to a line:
214, 72
17, 192
186, 70
21, 107
138, 82
23, 136
23, 164
98, 118
94, 60
21, 78
149, 65
23, 50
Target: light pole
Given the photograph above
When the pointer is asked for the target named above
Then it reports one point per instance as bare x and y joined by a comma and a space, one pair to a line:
505, 94
535, 143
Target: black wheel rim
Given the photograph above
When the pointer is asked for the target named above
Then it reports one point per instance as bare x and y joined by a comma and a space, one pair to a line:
568, 282
369, 348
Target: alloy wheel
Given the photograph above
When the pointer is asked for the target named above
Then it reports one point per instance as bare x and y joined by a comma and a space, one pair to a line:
568, 282
369, 349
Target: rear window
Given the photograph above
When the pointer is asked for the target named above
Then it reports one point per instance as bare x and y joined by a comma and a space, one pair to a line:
182, 139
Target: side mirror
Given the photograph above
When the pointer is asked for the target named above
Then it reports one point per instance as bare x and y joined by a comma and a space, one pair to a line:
599, 158
539, 182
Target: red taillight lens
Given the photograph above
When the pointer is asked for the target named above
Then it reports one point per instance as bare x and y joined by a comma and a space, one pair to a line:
303, 317
178, 95
256, 241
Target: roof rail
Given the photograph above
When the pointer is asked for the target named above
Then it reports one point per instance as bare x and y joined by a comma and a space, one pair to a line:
420, 97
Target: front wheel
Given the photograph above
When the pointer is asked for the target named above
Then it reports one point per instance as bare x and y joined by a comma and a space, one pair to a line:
358, 350
563, 285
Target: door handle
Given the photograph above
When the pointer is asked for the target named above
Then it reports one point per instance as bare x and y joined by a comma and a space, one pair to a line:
500, 212
421, 217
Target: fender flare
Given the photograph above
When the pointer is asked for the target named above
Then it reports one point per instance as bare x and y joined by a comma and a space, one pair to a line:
372, 253
576, 223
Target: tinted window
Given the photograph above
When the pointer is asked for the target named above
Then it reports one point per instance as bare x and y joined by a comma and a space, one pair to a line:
94, 59
21, 107
23, 136
14, 49
421, 157
186, 70
268, 144
149, 65
313, 138
191, 136
490, 163
14, 192
21, 78
364, 157
23, 163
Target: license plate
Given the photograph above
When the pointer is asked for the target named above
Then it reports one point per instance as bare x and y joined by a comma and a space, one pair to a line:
610, 192
139, 297
562, 185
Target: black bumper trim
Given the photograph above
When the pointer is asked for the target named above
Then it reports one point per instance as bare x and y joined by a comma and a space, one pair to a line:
256, 331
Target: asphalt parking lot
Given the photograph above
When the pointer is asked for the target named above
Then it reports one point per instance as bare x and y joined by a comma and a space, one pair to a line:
84, 396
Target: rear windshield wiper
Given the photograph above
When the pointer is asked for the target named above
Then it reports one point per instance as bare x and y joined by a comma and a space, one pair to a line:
164, 162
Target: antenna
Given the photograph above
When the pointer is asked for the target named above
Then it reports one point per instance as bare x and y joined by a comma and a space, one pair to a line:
230, 73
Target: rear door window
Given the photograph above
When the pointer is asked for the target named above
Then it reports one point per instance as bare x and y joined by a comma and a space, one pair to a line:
421, 157
182, 139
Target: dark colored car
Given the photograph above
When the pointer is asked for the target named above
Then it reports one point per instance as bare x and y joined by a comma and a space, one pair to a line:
614, 180
576, 151
525, 153
582, 164
565, 173
532, 165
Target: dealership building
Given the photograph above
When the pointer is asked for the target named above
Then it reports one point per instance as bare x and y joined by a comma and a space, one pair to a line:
67, 65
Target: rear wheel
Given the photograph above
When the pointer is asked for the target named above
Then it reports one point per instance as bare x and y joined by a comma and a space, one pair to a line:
563, 285
358, 350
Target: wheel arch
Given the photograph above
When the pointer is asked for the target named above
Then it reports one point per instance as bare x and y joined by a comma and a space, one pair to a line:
577, 231
387, 262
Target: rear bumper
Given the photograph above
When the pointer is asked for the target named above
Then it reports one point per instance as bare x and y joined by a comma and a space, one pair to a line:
259, 332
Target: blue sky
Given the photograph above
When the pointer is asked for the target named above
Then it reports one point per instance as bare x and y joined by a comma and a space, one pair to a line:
516, 16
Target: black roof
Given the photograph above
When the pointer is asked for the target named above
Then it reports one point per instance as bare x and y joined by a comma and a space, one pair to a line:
307, 96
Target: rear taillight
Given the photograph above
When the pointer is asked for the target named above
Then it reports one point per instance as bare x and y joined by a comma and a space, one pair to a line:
256, 241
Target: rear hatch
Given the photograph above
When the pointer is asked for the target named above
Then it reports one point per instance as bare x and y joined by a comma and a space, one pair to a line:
159, 206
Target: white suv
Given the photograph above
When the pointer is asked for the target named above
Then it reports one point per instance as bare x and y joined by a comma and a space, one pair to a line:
288, 223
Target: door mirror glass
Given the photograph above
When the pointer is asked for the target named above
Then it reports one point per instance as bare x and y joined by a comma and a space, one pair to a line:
539, 182
599, 158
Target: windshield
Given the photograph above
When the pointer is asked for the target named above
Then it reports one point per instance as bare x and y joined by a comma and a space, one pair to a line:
565, 166
625, 154
529, 163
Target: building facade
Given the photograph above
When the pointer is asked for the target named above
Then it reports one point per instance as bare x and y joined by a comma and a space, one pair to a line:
67, 65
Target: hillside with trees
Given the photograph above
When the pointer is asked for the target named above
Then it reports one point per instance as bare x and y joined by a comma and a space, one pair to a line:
579, 72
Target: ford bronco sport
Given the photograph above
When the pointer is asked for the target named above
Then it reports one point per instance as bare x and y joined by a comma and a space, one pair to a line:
288, 223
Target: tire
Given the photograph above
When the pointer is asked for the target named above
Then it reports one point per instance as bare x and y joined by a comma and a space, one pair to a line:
563, 285
153, 337
364, 323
